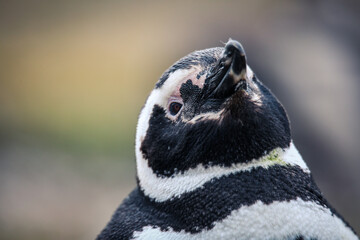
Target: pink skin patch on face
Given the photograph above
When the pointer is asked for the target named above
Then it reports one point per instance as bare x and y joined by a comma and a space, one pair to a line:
193, 73
176, 96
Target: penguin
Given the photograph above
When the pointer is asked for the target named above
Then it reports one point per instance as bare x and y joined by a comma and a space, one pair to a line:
215, 160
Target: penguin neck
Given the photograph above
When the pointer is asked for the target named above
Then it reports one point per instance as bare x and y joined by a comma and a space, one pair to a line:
162, 188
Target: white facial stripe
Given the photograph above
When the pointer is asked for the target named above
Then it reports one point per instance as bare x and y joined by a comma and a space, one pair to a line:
256, 99
158, 96
206, 116
293, 157
278, 220
255, 96
162, 189
249, 73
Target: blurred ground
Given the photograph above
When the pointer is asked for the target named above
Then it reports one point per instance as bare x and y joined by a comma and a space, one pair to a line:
74, 75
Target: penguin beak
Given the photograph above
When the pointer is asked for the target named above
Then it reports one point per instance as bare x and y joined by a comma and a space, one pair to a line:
230, 74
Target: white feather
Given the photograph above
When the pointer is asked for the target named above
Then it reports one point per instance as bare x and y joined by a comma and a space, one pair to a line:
278, 220
162, 189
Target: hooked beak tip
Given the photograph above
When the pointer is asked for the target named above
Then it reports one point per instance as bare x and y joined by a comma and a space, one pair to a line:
234, 46
234, 54
231, 72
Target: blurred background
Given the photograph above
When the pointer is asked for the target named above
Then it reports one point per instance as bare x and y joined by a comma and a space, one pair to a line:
75, 74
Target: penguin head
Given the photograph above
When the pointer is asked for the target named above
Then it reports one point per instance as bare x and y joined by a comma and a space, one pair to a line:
208, 109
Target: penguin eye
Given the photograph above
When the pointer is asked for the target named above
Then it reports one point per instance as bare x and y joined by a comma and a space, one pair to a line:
174, 108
